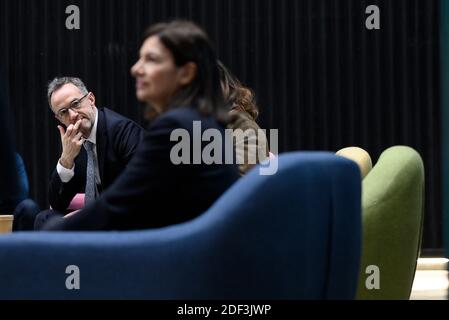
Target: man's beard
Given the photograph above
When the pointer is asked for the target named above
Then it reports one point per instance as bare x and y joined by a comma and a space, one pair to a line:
86, 130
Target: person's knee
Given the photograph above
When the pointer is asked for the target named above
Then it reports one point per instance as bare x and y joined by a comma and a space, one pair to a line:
25, 214
43, 217
26, 204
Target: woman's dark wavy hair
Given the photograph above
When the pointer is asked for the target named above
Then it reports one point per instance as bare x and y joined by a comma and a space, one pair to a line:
237, 96
189, 43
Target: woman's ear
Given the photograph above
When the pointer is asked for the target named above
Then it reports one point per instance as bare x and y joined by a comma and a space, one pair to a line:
187, 73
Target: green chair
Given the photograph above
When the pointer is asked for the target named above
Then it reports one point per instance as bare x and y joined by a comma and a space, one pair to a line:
392, 204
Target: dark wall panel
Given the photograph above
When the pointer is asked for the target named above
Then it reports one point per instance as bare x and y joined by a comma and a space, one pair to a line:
321, 77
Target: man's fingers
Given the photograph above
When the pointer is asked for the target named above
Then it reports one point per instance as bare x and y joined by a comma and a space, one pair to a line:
72, 129
80, 141
77, 125
69, 130
61, 131
77, 137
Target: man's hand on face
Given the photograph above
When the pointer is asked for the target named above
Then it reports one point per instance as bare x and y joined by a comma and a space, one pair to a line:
72, 140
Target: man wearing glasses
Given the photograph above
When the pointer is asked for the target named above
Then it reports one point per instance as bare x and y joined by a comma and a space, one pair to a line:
97, 144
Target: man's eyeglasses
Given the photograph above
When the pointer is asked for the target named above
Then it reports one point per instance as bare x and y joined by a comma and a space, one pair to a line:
74, 105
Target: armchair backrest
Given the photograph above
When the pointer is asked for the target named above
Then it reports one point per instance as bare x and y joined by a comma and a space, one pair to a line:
360, 156
292, 235
392, 202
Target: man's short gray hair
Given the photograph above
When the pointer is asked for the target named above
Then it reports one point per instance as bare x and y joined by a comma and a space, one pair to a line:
57, 83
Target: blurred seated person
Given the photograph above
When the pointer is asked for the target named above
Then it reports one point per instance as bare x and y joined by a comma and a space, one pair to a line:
13, 181
97, 145
9, 201
252, 146
177, 74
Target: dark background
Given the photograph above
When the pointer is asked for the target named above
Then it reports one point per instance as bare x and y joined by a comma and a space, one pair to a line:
321, 78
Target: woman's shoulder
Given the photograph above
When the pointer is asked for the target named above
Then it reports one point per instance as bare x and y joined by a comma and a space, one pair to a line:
180, 113
242, 120
184, 117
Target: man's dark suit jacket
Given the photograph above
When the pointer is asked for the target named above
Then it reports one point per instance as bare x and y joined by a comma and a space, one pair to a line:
152, 191
117, 141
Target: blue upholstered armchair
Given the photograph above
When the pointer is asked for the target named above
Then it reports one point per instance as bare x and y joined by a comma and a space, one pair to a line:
292, 235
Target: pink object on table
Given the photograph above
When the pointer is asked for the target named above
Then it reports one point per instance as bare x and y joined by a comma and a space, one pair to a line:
77, 202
